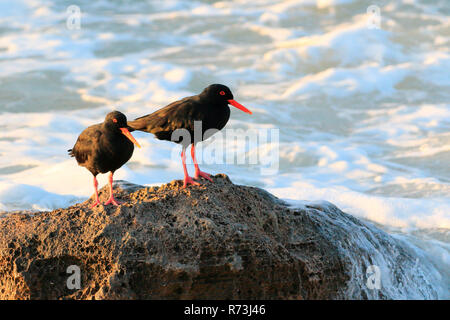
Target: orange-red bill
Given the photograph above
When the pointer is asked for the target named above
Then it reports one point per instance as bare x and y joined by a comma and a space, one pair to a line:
239, 106
127, 134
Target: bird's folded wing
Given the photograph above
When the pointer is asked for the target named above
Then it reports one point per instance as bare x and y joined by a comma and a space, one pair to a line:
85, 144
177, 115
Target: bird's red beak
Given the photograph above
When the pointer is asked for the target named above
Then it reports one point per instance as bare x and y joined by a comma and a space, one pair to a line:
239, 106
127, 134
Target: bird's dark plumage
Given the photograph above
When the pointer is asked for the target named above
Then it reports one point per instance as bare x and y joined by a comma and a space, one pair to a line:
105, 147
210, 107
177, 121
102, 147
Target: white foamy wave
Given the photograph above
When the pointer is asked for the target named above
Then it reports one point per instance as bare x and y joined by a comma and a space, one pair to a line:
25, 197
407, 214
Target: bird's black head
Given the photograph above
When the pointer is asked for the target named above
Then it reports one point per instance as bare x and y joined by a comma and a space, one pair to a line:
217, 92
222, 94
116, 121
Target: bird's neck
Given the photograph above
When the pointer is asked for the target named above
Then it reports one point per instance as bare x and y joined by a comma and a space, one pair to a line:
214, 103
111, 129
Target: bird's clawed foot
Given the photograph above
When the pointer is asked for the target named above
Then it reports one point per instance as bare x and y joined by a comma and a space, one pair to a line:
97, 202
113, 201
200, 174
188, 180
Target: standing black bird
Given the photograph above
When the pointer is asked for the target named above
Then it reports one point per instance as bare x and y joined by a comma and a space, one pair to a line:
210, 107
105, 147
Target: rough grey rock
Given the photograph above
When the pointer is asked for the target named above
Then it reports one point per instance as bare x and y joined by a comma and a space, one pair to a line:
214, 241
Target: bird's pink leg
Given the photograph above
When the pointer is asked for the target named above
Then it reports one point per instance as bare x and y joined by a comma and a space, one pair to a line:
198, 173
97, 201
111, 197
187, 179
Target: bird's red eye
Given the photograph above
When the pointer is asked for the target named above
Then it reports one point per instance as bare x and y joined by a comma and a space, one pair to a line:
222, 93
115, 120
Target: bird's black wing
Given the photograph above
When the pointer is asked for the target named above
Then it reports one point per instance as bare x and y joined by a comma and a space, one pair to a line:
85, 145
177, 115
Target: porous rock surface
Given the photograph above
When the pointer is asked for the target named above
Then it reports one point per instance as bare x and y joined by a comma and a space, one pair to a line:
214, 241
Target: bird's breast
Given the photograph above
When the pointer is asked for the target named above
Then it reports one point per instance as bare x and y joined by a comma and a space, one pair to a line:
114, 152
216, 118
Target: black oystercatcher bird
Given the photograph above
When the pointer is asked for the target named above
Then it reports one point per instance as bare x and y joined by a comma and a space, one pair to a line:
105, 147
210, 107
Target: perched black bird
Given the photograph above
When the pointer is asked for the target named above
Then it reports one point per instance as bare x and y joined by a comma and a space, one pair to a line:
105, 147
210, 107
